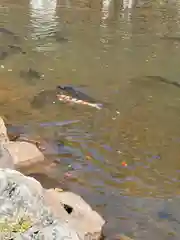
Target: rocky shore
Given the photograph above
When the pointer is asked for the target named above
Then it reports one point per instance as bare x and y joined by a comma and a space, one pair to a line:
30, 211
31, 206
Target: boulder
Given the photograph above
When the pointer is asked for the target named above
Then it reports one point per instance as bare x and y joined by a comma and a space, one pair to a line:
24, 213
3, 132
24, 153
79, 215
16, 153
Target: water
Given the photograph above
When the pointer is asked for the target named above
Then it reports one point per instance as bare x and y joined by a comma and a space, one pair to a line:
110, 50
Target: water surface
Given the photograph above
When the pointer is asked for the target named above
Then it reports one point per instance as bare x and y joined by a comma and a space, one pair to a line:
121, 56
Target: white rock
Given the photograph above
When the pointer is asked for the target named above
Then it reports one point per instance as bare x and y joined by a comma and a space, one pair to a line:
24, 153
88, 223
16, 153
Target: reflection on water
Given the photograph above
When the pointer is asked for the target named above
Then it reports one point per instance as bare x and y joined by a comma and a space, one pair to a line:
124, 159
43, 19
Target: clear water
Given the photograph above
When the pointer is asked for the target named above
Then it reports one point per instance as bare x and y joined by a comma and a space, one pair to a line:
111, 51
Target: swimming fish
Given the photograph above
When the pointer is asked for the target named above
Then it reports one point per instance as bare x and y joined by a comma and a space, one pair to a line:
68, 94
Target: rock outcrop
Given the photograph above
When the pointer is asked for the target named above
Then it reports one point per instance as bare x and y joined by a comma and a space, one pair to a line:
29, 211
77, 212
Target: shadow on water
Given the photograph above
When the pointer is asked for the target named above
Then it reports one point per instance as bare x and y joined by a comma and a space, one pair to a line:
123, 159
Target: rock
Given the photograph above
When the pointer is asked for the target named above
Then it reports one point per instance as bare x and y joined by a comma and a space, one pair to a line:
6, 160
16, 153
24, 153
80, 216
3, 132
24, 213
28, 211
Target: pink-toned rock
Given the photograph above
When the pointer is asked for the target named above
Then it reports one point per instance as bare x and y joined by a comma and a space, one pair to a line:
24, 153
3, 132
79, 215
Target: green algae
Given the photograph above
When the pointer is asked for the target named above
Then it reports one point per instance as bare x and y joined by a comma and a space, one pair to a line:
20, 226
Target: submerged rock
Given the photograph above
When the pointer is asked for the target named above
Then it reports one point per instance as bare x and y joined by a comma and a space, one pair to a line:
15, 49
28, 211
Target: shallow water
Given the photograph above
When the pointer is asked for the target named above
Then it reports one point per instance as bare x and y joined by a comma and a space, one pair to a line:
110, 51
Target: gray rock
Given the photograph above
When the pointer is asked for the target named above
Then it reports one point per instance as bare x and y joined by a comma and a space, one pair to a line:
28, 211
23, 213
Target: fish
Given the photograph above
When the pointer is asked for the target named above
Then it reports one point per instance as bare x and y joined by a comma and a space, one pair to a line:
64, 94
5, 31
3, 55
16, 49
68, 94
9, 50
58, 37
164, 80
